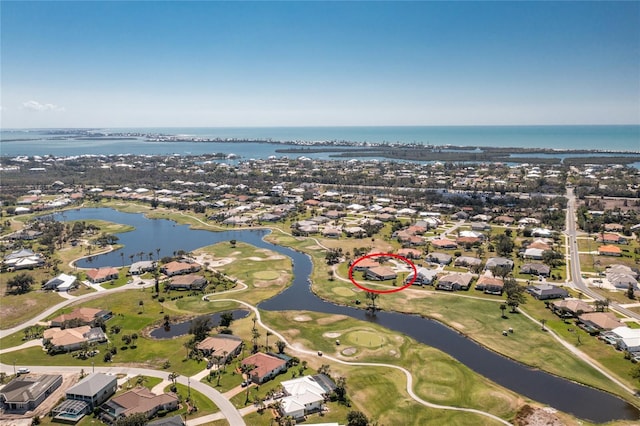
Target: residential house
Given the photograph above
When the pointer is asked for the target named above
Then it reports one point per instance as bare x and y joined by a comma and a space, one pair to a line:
81, 316
468, 241
139, 268
365, 264
380, 273
494, 262
440, 258
622, 281
570, 308
507, 220
609, 250
265, 368
355, 231
622, 269
70, 339
331, 232
179, 268
27, 392
23, 259
305, 395
101, 275
627, 339
85, 396
137, 400
467, 261
489, 284
535, 269
423, 276
547, 291
533, 253
480, 226
455, 281
444, 243
62, 282
541, 232
613, 227
410, 253
607, 238
225, 346
596, 322
187, 282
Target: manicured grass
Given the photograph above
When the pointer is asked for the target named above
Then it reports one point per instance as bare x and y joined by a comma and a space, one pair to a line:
205, 405
366, 338
266, 275
478, 319
371, 389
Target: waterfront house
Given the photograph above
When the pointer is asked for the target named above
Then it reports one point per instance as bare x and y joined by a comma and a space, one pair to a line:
265, 368
187, 282
225, 346
139, 268
27, 392
101, 275
179, 268
380, 273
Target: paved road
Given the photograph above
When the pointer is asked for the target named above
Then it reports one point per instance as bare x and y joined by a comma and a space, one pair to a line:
576, 273
227, 409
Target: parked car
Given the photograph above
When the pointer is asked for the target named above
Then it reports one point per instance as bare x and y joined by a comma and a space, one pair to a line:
23, 370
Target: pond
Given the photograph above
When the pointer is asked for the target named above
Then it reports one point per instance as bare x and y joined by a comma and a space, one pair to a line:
182, 328
562, 394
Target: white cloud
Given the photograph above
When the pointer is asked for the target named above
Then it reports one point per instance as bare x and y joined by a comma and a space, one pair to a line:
37, 106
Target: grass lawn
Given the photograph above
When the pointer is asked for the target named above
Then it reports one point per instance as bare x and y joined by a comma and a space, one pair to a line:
16, 309
204, 405
528, 345
380, 392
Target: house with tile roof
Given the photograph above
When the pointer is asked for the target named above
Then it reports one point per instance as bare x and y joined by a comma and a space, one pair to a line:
265, 368
609, 250
100, 275
137, 400
27, 392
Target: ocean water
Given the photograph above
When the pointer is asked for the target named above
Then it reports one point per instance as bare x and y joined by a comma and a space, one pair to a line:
614, 138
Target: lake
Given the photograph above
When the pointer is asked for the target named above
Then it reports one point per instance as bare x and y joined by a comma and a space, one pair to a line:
562, 394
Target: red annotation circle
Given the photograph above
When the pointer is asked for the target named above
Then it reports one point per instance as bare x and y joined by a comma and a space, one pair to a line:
369, 256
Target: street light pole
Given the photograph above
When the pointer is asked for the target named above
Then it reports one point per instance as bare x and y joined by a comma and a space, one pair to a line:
189, 387
93, 367
14, 367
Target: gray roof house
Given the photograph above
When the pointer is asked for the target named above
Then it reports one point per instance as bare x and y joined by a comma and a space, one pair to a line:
467, 261
455, 281
535, 269
425, 276
547, 291
492, 262
441, 258
25, 393
141, 267
84, 396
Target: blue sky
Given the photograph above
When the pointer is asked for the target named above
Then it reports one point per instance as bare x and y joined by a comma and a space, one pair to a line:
129, 64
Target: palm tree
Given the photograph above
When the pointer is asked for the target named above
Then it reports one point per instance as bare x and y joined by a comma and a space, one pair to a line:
267, 334
122, 257
157, 254
503, 308
131, 256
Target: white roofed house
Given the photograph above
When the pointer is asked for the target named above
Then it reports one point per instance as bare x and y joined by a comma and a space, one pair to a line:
23, 259
424, 276
628, 339
305, 395
62, 282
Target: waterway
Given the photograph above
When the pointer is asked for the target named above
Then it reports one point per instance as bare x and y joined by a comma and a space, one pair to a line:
182, 328
564, 395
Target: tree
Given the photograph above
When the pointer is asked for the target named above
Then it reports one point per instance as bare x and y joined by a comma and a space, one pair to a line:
371, 305
357, 418
630, 292
233, 243
341, 389
199, 328
504, 245
226, 318
137, 419
20, 284
267, 334
281, 345
515, 294
503, 308
543, 322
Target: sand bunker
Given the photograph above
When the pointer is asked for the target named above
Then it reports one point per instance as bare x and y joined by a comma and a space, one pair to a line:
332, 335
349, 351
302, 318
